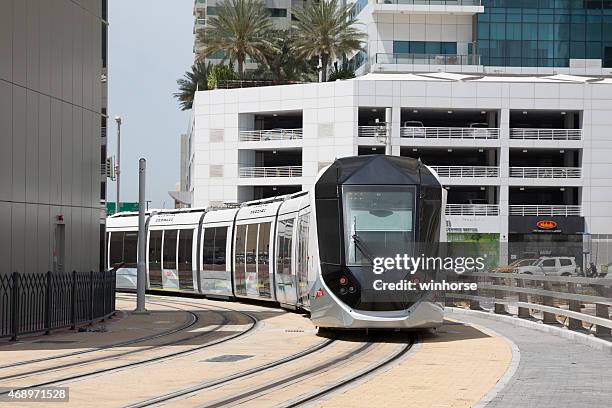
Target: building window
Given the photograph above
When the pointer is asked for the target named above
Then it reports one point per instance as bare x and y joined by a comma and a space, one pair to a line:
211, 11
424, 47
549, 33
278, 12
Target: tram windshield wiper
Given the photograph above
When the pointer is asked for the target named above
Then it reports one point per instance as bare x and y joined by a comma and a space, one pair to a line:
359, 244
362, 248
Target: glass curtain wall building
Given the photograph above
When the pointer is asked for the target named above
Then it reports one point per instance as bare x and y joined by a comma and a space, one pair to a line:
544, 33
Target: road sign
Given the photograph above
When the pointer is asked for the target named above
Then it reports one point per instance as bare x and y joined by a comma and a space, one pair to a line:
110, 207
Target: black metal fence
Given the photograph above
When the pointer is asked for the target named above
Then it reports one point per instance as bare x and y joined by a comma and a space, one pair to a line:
41, 302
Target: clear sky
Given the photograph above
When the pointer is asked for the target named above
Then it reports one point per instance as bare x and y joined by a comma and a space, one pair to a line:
150, 46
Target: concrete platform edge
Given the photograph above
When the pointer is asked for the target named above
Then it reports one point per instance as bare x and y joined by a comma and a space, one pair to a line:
577, 337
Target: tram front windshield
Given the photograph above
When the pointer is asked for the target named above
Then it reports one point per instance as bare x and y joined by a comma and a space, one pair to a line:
378, 222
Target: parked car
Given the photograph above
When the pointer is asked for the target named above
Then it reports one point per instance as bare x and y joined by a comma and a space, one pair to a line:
415, 128
553, 266
513, 265
480, 130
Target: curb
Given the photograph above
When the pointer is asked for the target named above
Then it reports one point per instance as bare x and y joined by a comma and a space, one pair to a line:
587, 340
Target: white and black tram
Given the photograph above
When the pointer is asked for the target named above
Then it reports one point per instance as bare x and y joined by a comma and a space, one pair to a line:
310, 250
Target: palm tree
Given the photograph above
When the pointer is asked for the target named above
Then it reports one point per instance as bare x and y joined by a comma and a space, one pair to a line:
326, 29
192, 81
239, 30
280, 63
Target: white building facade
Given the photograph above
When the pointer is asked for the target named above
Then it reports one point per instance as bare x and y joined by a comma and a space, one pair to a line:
522, 143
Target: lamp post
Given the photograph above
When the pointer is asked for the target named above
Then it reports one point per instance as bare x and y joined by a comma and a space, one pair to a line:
118, 165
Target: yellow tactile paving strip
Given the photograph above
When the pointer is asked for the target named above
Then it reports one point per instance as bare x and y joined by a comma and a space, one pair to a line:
455, 368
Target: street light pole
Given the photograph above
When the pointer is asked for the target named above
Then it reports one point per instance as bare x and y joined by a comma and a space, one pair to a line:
118, 165
141, 265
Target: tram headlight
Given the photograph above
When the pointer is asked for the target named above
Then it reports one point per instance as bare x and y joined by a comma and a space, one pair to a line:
352, 289
343, 290
343, 280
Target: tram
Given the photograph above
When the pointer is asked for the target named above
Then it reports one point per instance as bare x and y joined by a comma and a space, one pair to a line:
311, 250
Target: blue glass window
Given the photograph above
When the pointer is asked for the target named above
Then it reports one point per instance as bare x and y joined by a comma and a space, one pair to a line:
424, 47
547, 32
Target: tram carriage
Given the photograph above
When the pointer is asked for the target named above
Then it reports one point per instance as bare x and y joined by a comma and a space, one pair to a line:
308, 250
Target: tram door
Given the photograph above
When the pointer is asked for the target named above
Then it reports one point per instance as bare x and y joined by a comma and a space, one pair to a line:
169, 271
286, 282
302, 259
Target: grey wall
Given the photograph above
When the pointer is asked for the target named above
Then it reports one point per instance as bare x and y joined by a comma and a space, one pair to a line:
50, 104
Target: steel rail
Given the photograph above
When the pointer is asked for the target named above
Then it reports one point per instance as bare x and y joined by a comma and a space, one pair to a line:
240, 375
168, 356
193, 318
351, 379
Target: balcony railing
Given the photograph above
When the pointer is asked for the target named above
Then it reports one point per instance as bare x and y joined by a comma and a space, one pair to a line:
281, 171
466, 171
472, 209
272, 134
432, 2
545, 134
449, 133
372, 131
428, 59
545, 210
546, 172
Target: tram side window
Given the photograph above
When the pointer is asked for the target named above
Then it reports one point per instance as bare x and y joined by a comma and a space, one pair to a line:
220, 248
185, 248
169, 249
116, 249
130, 249
284, 236
123, 249
155, 277
208, 250
215, 241
263, 259
251, 248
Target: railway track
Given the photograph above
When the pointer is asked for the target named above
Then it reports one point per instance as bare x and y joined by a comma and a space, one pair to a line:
253, 325
281, 381
189, 322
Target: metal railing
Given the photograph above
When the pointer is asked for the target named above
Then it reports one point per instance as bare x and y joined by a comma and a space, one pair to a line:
449, 132
577, 302
432, 2
237, 83
271, 134
546, 172
41, 302
281, 171
472, 209
372, 131
545, 210
545, 134
428, 59
466, 171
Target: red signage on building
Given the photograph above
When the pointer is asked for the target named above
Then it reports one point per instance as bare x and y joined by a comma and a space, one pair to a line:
546, 224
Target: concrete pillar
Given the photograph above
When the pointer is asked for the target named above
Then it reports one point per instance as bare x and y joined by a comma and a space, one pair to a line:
396, 117
504, 163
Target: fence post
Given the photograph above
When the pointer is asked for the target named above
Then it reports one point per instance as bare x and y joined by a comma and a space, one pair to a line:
15, 311
91, 297
104, 299
499, 308
522, 297
574, 306
73, 301
48, 303
548, 318
602, 311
